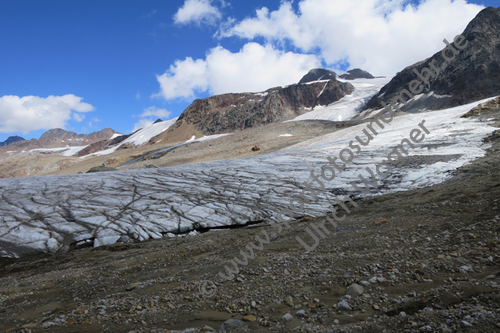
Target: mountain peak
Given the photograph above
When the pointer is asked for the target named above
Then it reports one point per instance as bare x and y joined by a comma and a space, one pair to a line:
54, 133
11, 139
318, 74
356, 73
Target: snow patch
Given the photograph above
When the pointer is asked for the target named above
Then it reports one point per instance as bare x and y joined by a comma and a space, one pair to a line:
115, 136
140, 137
349, 105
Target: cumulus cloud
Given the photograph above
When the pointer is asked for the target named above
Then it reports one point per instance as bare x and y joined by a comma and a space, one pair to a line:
197, 11
149, 116
184, 78
382, 37
30, 113
253, 68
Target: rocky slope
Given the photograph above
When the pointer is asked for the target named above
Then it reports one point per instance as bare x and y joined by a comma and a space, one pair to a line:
230, 112
472, 74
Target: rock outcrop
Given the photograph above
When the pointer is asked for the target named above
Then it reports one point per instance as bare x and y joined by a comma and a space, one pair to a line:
471, 75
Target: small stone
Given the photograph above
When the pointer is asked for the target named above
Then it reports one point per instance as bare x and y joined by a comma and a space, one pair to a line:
288, 317
289, 301
444, 314
380, 221
355, 290
250, 318
465, 323
82, 310
402, 314
30, 325
233, 325
466, 268
300, 313
343, 306
365, 283
132, 286
376, 307
441, 256
253, 304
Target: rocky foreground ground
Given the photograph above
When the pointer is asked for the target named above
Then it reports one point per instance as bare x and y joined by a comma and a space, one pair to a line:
425, 261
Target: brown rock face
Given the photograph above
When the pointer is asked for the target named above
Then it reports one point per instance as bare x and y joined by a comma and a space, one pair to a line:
231, 112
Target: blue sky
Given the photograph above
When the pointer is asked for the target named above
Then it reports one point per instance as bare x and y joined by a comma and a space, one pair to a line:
87, 65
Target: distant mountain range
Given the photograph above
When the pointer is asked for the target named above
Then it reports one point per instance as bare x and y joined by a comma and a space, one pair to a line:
58, 137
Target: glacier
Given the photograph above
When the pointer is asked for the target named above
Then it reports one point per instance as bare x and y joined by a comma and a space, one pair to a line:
56, 213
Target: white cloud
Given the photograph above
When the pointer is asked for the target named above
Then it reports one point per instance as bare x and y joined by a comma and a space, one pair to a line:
30, 113
149, 116
382, 37
184, 78
143, 123
78, 116
253, 68
197, 11
153, 111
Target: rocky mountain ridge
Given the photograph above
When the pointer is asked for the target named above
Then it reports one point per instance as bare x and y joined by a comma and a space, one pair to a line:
472, 73
238, 111
58, 137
